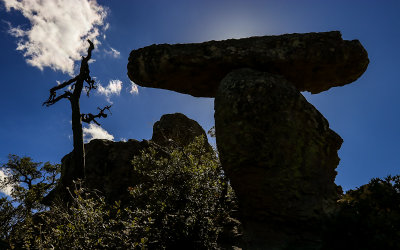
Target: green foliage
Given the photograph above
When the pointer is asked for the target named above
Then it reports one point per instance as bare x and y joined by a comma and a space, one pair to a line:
29, 181
87, 223
368, 217
182, 201
185, 195
7, 217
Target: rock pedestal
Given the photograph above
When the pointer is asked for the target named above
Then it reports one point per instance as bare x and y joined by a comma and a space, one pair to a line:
274, 146
279, 155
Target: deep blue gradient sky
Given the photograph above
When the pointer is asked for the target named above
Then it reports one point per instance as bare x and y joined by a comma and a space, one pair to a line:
365, 113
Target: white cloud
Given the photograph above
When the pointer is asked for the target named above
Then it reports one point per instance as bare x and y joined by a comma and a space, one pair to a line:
16, 31
95, 132
59, 30
123, 139
113, 88
106, 26
6, 190
133, 89
112, 52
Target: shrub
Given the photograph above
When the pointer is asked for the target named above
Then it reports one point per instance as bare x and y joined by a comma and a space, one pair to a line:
182, 201
368, 217
185, 194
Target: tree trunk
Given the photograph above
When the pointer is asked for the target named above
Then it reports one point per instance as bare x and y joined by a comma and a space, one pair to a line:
79, 150
73, 94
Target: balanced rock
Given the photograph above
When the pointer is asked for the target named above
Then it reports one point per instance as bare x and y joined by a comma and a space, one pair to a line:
280, 156
313, 62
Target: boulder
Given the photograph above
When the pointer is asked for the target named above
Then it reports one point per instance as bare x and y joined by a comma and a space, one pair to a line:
174, 130
280, 156
108, 164
108, 169
313, 62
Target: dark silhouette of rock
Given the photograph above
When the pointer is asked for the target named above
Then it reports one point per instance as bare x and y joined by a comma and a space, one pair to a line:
279, 155
176, 130
108, 164
276, 148
108, 169
313, 62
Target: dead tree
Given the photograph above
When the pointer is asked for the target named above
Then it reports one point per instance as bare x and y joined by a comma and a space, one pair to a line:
74, 88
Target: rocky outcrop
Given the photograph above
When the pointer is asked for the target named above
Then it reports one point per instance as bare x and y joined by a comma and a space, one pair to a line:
313, 62
276, 148
108, 164
279, 155
176, 130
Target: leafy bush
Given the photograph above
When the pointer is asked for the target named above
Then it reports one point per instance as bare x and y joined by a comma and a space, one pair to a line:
368, 217
87, 223
186, 196
30, 182
182, 201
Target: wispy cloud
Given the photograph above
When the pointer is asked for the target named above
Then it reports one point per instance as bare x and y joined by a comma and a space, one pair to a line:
113, 52
7, 190
94, 131
113, 88
133, 89
59, 30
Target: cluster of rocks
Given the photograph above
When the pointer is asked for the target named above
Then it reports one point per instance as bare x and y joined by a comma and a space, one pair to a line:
108, 164
276, 148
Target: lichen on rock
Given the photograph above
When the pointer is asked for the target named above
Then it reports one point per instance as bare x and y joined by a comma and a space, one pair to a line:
279, 154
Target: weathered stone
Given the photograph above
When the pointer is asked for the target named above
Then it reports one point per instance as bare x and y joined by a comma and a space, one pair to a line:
279, 155
313, 62
108, 164
176, 130
108, 168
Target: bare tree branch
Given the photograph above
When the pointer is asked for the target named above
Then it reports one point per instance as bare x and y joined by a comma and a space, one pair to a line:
92, 85
88, 118
81, 77
53, 99
64, 84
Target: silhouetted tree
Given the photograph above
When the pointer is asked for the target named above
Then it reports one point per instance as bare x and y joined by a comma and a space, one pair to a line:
30, 182
73, 93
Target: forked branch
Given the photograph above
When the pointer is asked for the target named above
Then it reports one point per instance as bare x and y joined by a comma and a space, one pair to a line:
88, 118
84, 75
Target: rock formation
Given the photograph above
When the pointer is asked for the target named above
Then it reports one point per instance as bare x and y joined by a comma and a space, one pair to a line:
313, 62
176, 130
108, 164
279, 155
275, 147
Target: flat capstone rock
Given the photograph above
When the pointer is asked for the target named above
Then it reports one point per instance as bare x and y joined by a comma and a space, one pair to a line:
313, 62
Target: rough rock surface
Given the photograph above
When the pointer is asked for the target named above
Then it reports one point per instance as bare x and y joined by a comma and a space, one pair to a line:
108, 163
280, 156
176, 130
313, 62
108, 166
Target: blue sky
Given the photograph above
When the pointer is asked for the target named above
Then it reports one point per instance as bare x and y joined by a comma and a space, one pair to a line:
365, 113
